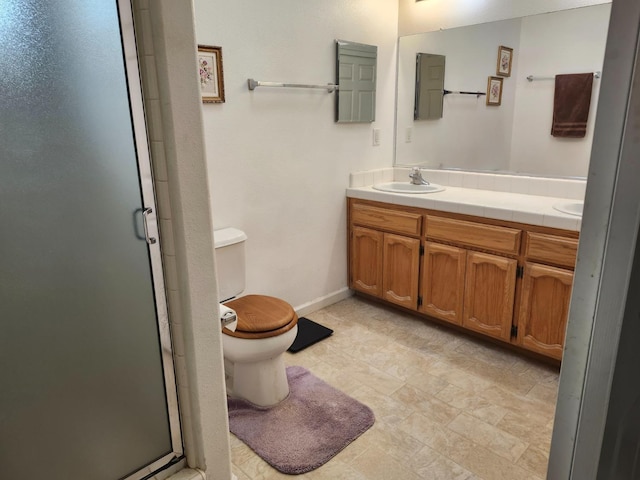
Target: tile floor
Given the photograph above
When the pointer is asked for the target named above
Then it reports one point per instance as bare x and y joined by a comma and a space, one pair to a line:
448, 406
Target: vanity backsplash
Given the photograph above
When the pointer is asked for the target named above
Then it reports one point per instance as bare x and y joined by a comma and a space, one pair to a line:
546, 187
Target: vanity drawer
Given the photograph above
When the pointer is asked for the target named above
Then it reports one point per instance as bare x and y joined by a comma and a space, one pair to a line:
552, 249
386, 219
489, 237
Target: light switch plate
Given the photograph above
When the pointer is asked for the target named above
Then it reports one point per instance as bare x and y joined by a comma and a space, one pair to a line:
376, 137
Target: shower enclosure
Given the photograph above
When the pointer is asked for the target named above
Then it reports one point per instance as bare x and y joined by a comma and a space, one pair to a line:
87, 382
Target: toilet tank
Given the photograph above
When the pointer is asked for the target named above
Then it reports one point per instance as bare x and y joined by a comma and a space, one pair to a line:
230, 261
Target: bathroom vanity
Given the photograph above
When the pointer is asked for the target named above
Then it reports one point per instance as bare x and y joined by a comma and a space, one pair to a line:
504, 279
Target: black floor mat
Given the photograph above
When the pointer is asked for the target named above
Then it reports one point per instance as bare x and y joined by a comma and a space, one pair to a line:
309, 332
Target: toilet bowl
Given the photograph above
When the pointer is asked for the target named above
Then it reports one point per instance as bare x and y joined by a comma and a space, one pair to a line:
254, 347
254, 352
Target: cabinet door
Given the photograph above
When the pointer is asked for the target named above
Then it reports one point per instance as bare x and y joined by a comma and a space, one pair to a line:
400, 271
366, 260
544, 307
442, 286
489, 294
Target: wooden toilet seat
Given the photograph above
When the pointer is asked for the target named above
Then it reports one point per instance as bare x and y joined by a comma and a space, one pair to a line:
261, 316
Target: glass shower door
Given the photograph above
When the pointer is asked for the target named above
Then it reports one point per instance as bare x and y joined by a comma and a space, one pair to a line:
86, 379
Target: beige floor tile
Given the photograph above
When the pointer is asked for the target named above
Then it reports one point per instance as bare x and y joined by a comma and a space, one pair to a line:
472, 404
426, 404
435, 435
400, 361
336, 377
529, 429
518, 403
520, 384
444, 469
386, 408
376, 464
541, 372
420, 461
400, 446
488, 436
427, 383
488, 465
488, 353
307, 358
325, 318
366, 374
240, 452
469, 455
535, 460
257, 469
334, 469
447, 405
544, 393
458, 377
357, 447
240, 474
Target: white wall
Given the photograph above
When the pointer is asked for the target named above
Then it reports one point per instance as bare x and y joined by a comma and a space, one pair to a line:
563, 42
278, 164
430, 15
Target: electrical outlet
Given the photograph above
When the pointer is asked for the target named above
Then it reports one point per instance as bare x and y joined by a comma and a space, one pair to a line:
376, 137
407, 135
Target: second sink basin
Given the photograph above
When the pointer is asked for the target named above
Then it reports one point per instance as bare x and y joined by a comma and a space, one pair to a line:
406, 187
572, 208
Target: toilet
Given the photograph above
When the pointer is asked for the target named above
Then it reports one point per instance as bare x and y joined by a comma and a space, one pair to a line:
253, 346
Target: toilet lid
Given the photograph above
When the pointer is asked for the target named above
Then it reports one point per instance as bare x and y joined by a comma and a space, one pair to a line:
261, 316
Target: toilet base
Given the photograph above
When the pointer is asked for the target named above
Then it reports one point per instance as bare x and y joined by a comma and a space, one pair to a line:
263, 383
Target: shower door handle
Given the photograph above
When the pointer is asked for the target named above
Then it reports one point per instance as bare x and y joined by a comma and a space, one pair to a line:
145, 214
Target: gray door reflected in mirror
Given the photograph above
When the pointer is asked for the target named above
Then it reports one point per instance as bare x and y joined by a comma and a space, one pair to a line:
429, 86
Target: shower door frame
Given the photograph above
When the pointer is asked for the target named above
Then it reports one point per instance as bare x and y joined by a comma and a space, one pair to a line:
138, 123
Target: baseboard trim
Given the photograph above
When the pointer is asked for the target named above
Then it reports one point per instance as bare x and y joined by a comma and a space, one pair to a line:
321, 302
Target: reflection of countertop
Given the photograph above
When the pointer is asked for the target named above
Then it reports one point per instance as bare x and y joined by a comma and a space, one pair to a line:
515, 207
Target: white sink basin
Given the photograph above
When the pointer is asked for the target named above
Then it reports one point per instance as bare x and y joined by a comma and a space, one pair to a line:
406, 187
572, 208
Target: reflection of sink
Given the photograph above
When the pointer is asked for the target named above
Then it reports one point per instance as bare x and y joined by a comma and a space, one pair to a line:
572, 208
406, 187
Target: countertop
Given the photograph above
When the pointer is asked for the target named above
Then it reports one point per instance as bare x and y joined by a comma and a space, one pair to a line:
531, 209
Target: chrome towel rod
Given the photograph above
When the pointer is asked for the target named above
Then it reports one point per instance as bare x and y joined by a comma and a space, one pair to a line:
330, 87
531, 78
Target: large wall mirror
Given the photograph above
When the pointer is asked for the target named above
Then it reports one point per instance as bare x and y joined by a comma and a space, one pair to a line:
513, 137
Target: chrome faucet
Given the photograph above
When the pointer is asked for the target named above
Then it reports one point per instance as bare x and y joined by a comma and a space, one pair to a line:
416, 177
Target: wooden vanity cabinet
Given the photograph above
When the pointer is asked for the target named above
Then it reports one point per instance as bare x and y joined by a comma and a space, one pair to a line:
366, 260
385, 253
489, 294
546, 293
442, 283
400, 270
484, 283
544, 307
505, 280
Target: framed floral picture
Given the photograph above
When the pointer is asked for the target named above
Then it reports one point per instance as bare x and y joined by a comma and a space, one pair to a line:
494, 91
211, 74
505, 57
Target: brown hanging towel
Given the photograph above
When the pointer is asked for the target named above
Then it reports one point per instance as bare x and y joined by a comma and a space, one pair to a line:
571, 103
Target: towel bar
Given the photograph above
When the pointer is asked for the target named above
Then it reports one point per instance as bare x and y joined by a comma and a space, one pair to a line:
330, 87
531, 78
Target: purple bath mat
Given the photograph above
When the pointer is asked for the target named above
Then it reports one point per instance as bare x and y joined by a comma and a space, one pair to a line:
306, 429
